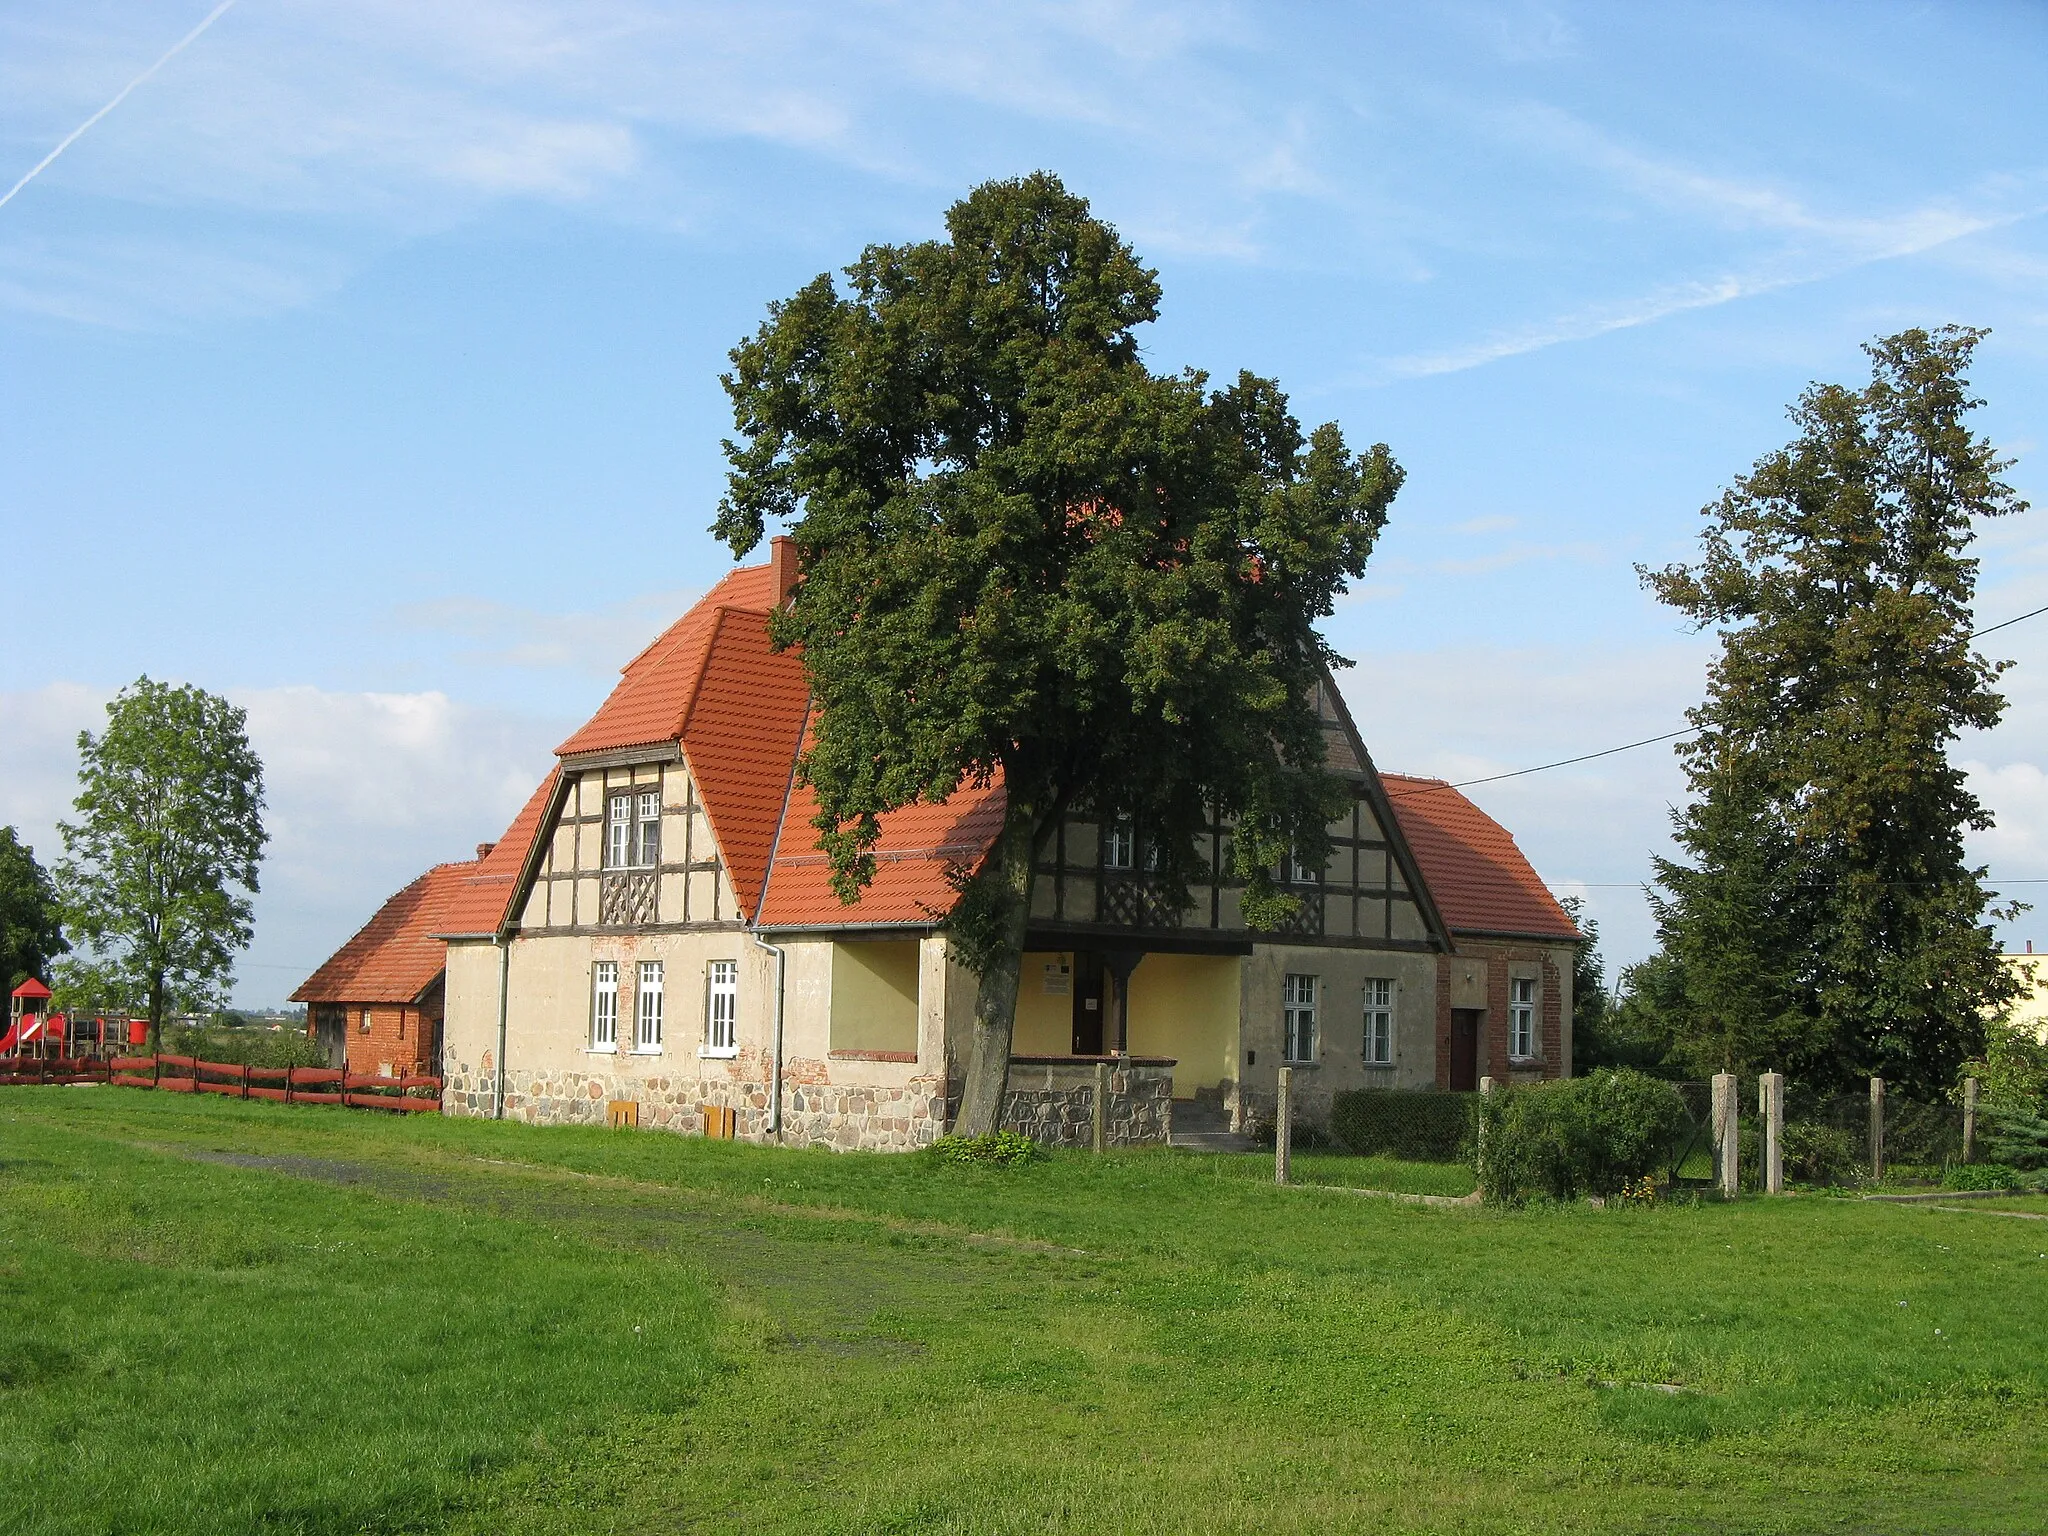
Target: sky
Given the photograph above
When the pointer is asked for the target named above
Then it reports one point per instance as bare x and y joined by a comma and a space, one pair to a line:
362, 362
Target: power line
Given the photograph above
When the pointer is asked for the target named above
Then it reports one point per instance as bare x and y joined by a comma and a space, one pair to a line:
1630, 746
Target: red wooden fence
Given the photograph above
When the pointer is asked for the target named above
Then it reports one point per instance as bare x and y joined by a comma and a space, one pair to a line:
57, 1069
287, 1085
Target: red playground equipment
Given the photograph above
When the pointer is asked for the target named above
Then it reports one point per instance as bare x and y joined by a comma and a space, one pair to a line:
34, 1031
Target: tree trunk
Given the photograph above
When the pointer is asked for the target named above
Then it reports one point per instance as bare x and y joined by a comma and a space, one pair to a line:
995, 999
156, 1013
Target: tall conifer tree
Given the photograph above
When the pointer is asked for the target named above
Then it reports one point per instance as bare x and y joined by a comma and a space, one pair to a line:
1828, 921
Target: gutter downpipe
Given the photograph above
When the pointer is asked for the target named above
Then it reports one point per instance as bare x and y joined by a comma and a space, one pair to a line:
781, 958
504, 988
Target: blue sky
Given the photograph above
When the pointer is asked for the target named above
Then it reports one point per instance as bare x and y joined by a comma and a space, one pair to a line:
362, 363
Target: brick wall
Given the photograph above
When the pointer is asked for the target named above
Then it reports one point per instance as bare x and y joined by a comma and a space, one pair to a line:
404, 1038
1502, 958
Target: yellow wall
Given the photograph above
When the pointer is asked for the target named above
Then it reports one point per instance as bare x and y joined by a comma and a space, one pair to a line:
1185, 1006
1045, 1022
2030, 1008
874, 996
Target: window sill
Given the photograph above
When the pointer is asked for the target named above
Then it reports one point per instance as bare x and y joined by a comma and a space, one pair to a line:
1379, 1066
1308, 1065
1525, 1061
871, 1056
646, 1050
718, 1053
601, 1050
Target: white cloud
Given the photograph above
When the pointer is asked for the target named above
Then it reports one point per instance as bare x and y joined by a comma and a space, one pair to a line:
597, 642
365, 790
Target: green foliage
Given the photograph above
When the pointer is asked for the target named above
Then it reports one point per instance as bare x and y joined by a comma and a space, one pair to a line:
2016, 1135
1579, 1136
1980, 1176
1028, 559
1818, 1153
158, 869
1825, 921
250, 1047
999, 1149
2013, 1071
1403, 1122
30, 934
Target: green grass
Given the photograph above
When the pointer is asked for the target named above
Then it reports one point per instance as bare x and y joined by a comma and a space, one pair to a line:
426, 1324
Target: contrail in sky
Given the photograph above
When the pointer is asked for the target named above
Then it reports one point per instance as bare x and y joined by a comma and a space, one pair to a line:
72, 137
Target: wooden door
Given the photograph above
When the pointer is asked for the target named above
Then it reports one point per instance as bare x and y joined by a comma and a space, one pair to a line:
1465, 1048
1089, 1003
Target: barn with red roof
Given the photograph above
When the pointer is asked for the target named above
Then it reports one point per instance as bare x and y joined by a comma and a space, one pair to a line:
655, 939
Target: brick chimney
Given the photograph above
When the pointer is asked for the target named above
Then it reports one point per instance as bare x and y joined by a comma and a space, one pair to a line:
782, 564
483, 851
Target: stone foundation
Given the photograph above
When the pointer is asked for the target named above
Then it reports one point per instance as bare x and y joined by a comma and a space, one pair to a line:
1051, 1099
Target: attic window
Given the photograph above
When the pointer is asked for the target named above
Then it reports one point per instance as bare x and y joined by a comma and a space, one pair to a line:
633, 831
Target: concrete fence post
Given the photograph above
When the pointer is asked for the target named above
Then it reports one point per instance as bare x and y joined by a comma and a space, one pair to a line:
1727, 1149
1969, 1119
1283, 1127
1771, 1106
1099, 1110
1876, 1129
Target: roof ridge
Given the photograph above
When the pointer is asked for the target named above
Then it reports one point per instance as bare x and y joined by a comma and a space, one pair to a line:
696, 688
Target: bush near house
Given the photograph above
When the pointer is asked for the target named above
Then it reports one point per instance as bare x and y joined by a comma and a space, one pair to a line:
1587, 1135
1417, 1124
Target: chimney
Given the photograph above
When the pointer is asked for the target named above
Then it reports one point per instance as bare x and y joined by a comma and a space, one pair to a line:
2030, 946
782, 564
483, 851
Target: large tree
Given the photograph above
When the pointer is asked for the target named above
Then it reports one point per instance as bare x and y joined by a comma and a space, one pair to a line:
31, 935
159, 868
1027, 559
1828, 920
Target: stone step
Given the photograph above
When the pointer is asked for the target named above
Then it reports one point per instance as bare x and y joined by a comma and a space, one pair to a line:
1211, 1141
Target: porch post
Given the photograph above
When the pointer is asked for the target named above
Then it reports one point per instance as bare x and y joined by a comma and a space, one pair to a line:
1121, 963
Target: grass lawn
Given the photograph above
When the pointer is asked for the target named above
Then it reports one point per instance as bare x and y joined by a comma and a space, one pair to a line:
227, 1317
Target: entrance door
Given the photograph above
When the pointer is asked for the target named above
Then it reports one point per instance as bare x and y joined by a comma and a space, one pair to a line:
1465, 1048
1088, 1003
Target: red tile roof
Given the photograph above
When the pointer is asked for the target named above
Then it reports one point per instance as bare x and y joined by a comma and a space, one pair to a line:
920, 843
740, 737
658, 685
480, 901
1481, 881
394, 957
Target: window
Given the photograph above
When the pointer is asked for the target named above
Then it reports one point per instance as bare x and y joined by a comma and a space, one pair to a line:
1379, 1022
1119, 844
722, 1009
633, 831
366, 1021
1298, 871
618, 833
1522, 1017
1298, 1018
604, 1006
647, 852
647, 1009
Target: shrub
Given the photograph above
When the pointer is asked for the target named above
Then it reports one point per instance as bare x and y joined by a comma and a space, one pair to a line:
1980, 1176
1817, 1153
1419, 1124
1584, 1135
1307, 1135
1003, 1149
2017, 1137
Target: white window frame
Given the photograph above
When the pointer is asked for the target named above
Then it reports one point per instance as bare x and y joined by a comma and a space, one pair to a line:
647, 1010
1522, 1018
1378, 1047
721, 1009
647, 829
1299, 873
1120, 844
1298, 1000
604, 1006
618, 832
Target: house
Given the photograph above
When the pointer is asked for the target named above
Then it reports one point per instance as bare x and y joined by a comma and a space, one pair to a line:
2028, 1010
376, 1004
655, 940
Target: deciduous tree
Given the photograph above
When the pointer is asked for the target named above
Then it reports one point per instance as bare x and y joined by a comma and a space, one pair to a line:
159, 867
1828, 921
1029, 559
31, 936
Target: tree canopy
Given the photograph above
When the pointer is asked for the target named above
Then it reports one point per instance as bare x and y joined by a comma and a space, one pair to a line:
159, 867
1825, 919
31, 933
1028, 559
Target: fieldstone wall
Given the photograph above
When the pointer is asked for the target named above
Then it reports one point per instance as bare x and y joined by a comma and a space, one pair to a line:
1052, 1100
840, 1116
